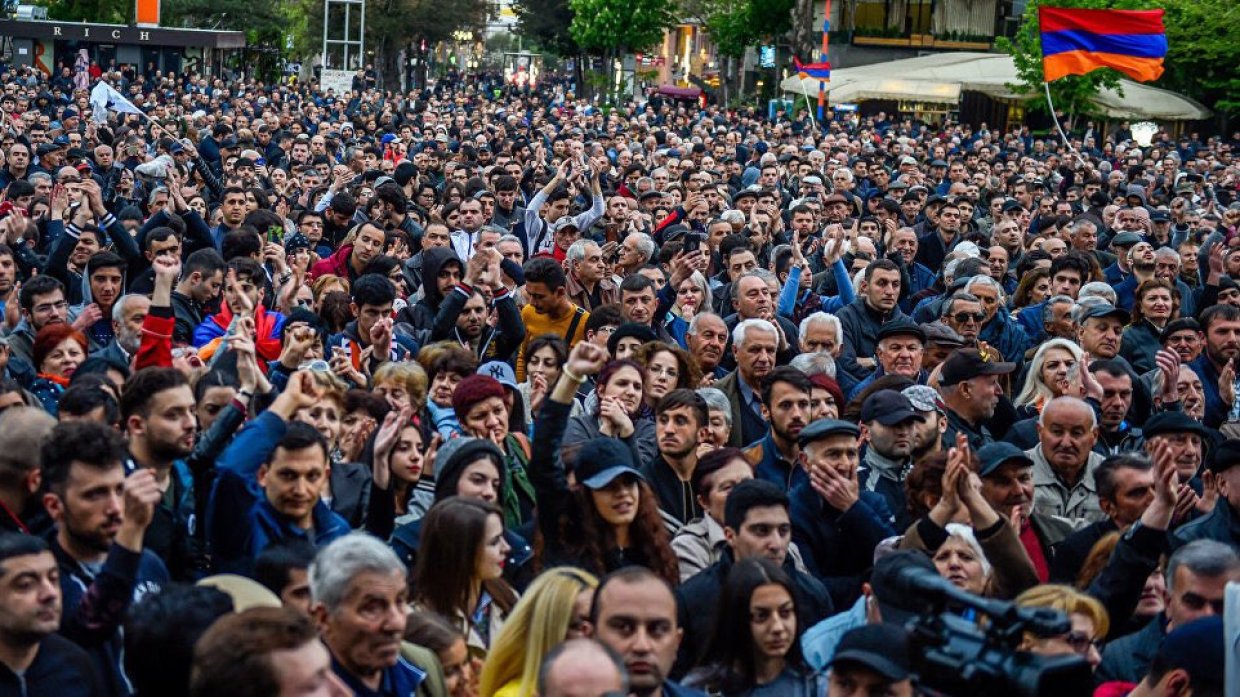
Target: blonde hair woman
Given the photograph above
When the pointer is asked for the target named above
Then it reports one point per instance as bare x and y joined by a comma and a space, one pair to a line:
556, 607
1090, 623
1055, 371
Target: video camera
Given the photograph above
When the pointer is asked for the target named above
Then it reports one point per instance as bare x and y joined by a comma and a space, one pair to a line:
954, 656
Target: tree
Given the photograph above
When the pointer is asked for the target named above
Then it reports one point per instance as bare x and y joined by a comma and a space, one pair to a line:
615, 27
735, 25
110, 11
1203, 50
546, 23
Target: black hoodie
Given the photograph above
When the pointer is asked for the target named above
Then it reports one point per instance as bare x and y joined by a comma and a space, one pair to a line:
421, 317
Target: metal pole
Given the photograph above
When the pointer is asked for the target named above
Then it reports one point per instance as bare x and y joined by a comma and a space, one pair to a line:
826, 53
326, 19
1066, 141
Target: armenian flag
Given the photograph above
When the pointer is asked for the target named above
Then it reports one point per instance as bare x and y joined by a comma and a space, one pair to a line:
1075, 42
818, 71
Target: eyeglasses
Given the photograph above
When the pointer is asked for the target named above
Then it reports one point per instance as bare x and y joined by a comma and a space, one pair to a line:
964, 317
1081, 642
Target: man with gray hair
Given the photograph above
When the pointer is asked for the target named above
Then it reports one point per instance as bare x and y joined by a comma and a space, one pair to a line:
754, 345
587, 281
359, 599
1057, 319
582, 668
128, 312
22, 432
1064, 462
1196, 576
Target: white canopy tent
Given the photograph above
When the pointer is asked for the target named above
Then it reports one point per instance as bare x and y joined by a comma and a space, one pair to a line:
942, 77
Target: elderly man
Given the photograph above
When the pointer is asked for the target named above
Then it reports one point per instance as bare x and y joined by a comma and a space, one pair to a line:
998, 330
971, 392
1064, 462
588, 284
963, 313
837, 523
1100, 329
754, 344
707, 339
359, 599
901, 343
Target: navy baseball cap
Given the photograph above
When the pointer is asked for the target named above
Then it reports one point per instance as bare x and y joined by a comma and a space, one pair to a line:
601, 460
994, 455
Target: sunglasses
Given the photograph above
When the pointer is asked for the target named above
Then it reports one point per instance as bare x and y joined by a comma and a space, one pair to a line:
963, 317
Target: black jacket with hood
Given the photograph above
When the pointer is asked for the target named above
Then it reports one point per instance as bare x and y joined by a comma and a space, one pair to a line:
421, 316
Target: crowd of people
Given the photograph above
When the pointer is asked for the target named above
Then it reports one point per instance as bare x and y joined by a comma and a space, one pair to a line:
470, 393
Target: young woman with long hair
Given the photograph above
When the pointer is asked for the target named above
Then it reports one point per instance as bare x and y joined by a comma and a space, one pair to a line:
616, 409
757, 642
460, 568
609, 517
667, 368
556, 607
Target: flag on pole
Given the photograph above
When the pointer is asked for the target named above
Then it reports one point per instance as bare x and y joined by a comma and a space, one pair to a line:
818, 71
103, 97
1076, 42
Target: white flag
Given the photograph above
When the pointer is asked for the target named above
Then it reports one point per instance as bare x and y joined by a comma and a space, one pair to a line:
103, 97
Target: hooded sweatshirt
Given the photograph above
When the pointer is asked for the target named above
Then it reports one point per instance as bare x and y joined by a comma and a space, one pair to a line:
99, 334
421, 317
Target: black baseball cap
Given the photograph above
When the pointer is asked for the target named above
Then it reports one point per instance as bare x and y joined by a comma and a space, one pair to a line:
883, 648
967, 364
889, 408
601, 460
1103, 310
992, 456
1224, 456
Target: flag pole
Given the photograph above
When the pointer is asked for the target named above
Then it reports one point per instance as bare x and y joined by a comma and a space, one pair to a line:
1064, 136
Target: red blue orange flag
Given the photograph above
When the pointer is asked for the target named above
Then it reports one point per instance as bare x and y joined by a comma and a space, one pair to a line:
820, 71
1075, 42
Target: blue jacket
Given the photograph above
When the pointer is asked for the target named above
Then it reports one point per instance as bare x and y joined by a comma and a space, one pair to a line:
920, 278
241, 523
1216, 408
1007, 336
819, 641
95, 605
838, 548
1030, 319
764, 456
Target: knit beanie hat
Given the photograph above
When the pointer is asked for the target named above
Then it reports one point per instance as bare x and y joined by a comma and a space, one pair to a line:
474, 389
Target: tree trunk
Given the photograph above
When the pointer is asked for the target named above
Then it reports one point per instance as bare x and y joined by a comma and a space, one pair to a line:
806, 36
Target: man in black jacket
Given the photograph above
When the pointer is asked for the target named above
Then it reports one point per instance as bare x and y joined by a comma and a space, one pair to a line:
201, 280
34, 659
756, 524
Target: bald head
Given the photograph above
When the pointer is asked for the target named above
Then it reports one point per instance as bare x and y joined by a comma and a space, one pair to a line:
581, 668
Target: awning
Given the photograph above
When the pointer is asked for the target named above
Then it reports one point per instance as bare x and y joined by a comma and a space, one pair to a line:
942, 77
121, 34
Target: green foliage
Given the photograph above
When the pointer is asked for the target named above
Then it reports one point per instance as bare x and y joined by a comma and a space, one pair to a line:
546, 23
618, 26
1203, 38
735, 25
106, 11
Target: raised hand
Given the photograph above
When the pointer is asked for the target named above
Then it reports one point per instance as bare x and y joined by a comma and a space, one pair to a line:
1168, 363
586, 359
